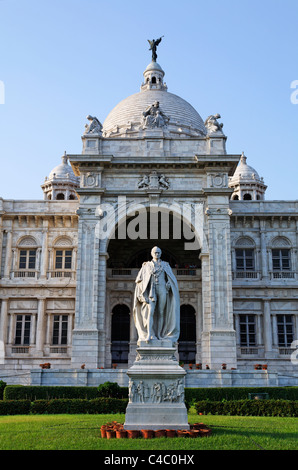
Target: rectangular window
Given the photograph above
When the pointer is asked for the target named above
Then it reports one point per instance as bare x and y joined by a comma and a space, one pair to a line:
60, 327
244, 259
247, 330
285, 330
27, 259
63, 259
281, 260
22, 333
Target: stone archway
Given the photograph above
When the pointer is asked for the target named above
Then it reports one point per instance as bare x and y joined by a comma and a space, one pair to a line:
188, 339
124, 259
120, 334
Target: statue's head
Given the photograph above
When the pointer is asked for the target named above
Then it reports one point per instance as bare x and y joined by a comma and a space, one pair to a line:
156, 252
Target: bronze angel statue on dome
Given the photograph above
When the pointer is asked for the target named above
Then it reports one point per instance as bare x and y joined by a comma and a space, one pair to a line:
153, 47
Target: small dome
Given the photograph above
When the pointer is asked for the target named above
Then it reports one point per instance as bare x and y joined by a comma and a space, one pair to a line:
63, 171
244, 171
61, 183
153, 66
246, 182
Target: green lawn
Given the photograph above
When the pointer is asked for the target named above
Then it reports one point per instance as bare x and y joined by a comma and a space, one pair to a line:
82, 432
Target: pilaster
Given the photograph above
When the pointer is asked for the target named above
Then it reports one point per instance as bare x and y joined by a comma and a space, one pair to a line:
219, 336
89, 332
3, 329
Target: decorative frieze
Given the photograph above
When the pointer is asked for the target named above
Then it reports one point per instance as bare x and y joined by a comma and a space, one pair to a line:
146, 391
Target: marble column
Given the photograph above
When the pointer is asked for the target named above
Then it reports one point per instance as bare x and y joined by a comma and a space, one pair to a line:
8, 255
45, 251
259, 331
199, 328
3, 329
33, 329
267, 330
264, 260
1, 241
40, 327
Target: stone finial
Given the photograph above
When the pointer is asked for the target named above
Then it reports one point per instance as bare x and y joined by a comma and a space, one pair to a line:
243, 158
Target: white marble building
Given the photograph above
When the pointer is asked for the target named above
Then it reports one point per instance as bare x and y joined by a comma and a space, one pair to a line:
67, 290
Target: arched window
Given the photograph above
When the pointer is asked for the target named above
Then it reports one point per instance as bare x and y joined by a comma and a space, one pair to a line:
187, 339
235, 198
27, 257
247, 197
245, 254
60, 197
63, 255
281, 254
120, 334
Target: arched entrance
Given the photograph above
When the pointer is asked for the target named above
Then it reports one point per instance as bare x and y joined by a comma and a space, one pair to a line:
132, 252
187, 340
125, 257
120, 334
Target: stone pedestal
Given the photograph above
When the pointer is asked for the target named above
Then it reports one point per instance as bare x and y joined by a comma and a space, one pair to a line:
156, 389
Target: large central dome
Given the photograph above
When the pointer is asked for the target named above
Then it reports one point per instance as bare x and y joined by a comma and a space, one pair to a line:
127, 116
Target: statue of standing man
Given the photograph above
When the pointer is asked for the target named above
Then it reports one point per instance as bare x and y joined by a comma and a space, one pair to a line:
156, 302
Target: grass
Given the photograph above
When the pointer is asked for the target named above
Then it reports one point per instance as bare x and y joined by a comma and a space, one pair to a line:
82, 432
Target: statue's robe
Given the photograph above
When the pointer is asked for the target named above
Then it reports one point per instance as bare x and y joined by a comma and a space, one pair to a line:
145, 289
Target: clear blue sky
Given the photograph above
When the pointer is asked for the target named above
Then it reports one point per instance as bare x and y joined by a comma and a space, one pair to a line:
63, 59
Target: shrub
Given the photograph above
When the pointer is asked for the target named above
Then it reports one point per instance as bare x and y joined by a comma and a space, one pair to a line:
239, 393
15, 407
79, 406
2, 387
40, 392
68, 406
248, 407
109, 390
108, 405
39, 407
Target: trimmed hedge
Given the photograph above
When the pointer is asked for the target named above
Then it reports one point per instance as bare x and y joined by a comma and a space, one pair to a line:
41, 392
15, 407
248, 407
2, 387
239, 393
37, 392
64, 406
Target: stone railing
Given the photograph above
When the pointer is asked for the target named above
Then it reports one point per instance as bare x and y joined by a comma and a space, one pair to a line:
132, 272
28, 273
285, 351
282, 275
63, 273
249, 350
254, 275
